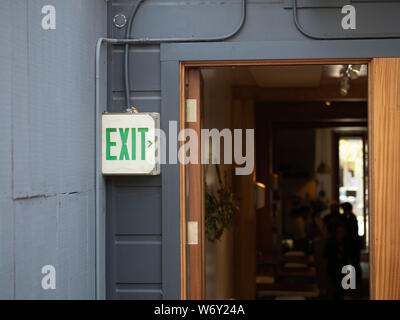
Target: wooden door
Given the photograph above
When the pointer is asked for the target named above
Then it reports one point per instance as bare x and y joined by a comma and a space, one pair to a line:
384, 137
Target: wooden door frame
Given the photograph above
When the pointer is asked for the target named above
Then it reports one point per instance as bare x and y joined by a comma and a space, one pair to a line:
373, 104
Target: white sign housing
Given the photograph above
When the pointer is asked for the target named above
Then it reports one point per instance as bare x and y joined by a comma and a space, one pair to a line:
129, 144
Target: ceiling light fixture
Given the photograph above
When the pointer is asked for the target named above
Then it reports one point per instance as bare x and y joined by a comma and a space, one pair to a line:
347, 73
354, 71
344, 86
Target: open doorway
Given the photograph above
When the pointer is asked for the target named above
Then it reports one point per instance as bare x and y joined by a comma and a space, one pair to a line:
352, 178
281, 242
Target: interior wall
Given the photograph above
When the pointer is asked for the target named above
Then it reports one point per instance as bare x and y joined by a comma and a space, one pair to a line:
324, 152
295, 118
266, 239
230, 261
244, 222
294, 161
217, 99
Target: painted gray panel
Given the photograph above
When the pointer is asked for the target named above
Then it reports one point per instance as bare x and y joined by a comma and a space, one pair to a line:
157, 18
280, 50
144, 69
6, 204
90, 259
137, 204
20, 119
171, 271
144, 79
144, 101
6, 249
140, 260
139, 292
137, 181
139, 295
134, 203
372, 18
36, 246
47, 162
53, 130
75, 246
133, 240
5, 100
55, 231
266, 20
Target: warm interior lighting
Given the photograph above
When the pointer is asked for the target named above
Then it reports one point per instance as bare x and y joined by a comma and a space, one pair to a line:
344, 91
261, 185
328, 103
259, 195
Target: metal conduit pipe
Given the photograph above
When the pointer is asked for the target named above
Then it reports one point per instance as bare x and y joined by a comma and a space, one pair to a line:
320, 37
98, 112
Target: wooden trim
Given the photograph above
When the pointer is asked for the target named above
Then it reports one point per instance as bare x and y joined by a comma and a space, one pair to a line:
195, 194
371, 127
384, 138
225, 63
365, 187
372, 261
182, 180
203, 196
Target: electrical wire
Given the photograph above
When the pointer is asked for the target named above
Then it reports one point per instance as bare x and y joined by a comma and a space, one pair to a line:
169, 40
128, 35
320, 37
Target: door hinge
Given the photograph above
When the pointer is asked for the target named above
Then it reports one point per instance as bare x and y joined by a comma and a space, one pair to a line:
193, 232
191, 110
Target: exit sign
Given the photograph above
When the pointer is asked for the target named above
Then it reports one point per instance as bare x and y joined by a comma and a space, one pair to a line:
129, 143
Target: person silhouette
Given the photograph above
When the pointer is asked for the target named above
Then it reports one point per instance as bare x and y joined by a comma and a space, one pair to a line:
338, 254
332, 219
351, 224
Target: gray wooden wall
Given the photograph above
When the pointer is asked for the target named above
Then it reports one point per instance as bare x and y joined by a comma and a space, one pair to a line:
47, 147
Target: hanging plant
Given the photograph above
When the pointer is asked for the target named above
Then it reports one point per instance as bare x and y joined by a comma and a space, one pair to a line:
219, 210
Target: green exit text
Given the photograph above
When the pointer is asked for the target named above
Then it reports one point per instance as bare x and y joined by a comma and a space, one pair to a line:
124, 133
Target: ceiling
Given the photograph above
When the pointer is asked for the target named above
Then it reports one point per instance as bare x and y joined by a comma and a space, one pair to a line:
300, 76
287, 76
